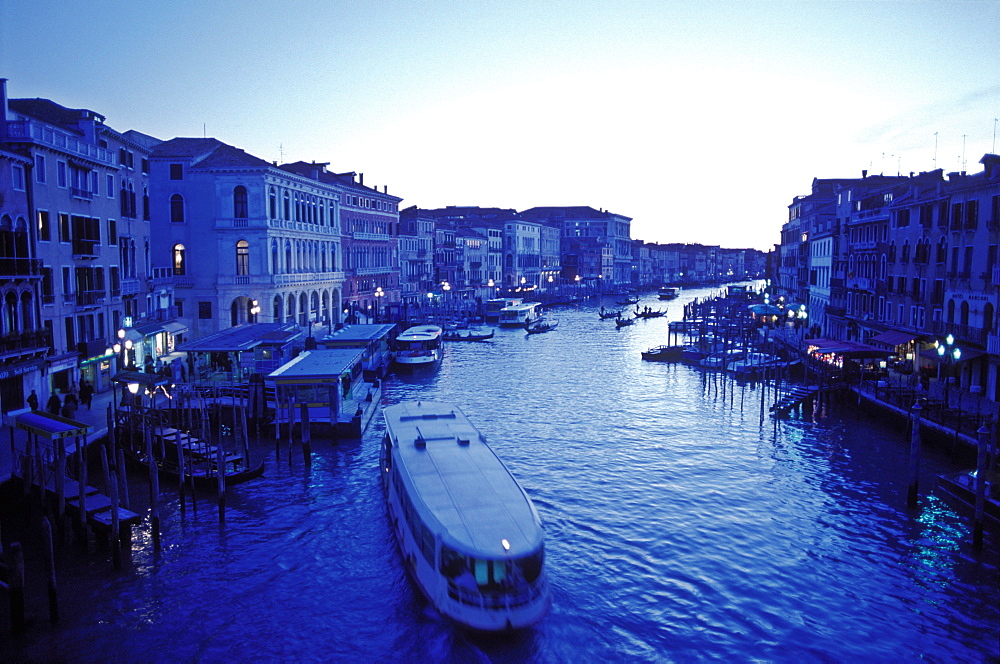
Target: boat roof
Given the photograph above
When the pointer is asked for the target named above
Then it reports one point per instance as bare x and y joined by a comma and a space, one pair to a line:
460, 482
521, 305
420, 333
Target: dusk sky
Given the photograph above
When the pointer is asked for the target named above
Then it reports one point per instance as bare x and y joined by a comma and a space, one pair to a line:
700, 120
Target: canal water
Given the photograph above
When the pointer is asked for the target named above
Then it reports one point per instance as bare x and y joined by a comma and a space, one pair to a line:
681, 524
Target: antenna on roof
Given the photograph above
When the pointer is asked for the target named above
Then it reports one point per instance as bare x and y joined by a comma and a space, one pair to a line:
281, 152
963, 152
204, 130
935, 149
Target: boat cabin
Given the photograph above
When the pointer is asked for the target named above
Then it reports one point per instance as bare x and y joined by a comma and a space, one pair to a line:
519, 314
495, 306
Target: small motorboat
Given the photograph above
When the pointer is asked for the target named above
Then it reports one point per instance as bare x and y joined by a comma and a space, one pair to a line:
467, 335
663, 354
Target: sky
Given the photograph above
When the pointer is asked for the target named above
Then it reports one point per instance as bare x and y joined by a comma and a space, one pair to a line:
700, 120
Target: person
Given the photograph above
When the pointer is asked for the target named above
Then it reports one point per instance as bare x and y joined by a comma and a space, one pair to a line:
69, 407
54, 403
86, 393
33, 400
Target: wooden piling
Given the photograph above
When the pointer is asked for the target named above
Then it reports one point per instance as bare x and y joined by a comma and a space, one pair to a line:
154, 489
116, 556
122, 479
220, 456
983, 440
306, 434
81, 479
914, 474
50, 570
15, 588
180, 465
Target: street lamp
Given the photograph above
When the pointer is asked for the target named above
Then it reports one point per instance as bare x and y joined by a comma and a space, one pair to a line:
951, 354
379, 293
254, 310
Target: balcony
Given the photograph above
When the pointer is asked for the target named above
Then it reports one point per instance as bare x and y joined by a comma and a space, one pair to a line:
84, 194
11, 268
131, 286
20, 343
993, 344
85, 248
90, 298
30, 131
966, 333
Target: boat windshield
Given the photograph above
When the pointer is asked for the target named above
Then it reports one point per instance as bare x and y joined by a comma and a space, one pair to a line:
491, 574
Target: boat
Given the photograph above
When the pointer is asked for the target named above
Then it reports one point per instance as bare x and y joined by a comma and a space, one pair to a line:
519, 314
722, 359
200, 459
494, 306
609, 315
627, 301
466, 335
417, 346
663, 354
649, 313
624, 322
667, 293
960, 491
541, 324
468, 533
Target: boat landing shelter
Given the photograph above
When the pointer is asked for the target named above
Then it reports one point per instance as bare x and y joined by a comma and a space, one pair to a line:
373, 340
238, 352
329, 386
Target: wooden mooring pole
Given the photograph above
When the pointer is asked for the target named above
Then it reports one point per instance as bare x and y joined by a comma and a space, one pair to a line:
983, 439
50, 570
911, 494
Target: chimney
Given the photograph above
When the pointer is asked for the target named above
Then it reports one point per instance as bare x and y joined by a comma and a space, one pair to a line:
361, 179
385, 189
864, 173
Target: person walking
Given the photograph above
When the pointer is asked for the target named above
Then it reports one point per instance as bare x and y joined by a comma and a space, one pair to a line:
86, 393
54, 403
33, 400
69, 407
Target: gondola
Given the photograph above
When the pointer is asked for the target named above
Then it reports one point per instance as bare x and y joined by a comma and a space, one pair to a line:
539, 325
623, 322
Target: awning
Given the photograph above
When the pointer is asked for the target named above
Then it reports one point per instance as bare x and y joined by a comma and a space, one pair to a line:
852, 349
175, 328
967, 354
893, 338
146, 380
48, 426
149, 329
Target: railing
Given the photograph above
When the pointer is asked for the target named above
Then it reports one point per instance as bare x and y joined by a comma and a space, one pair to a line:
29, 130
20, 267
993, 344
77, 192
962, 332
23, 341
131, 286
183, 281
83, 247
90, 298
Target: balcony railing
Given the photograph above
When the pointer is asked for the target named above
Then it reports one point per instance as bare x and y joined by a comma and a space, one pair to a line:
85, 248
20, 342
31, 131
993, 344
81, 193
20, 267
90, 298
131, 286
962, 332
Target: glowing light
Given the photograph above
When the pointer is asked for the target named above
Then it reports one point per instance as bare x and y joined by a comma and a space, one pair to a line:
505, 544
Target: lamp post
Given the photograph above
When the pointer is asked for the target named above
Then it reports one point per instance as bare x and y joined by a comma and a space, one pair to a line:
254, 311
379, 293
950, 354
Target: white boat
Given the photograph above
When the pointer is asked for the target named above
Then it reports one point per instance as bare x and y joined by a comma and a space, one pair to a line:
519, 314
495, 306
753, 362
417, 346
722, 359
467, 531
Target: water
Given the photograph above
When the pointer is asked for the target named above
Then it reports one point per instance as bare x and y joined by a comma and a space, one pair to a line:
681, 525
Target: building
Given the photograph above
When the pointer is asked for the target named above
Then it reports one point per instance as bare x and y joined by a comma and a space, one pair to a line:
247, 240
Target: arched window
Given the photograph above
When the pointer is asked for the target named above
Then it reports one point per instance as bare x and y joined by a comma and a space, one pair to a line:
145, 203
951, 311
178, 254
242, 258
272, 202
988, 318
240, 202
177, 209
275, 268
27, 312
288, 256
964, 313
286, 204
